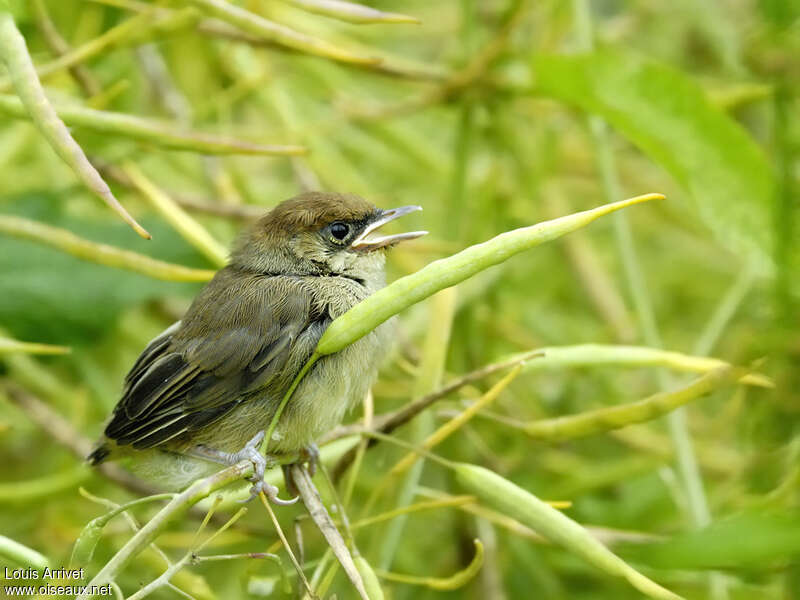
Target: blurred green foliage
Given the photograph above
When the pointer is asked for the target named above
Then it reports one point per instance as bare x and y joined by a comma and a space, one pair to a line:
486, 114
91, 296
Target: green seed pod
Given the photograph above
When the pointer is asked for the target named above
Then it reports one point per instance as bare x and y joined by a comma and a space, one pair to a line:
102, 254
510, 499
279, 34
152, 131
615, 417
371, 583
14, 54
352, 13
83, 550
440, 274
453, 582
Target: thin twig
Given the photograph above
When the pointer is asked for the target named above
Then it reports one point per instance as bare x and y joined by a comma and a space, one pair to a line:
187, 227
240, 212
388, 422
93, 47
59, 47
163, 579
158, 132
459, 81
176, 507
286, 545
135, 526
326, 526
452, 425
351, 540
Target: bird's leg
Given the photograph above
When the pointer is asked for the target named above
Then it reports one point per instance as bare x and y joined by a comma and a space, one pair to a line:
309, 454
288, 480
249, 452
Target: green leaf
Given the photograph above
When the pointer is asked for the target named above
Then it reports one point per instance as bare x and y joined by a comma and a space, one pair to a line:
770, 538
667, 115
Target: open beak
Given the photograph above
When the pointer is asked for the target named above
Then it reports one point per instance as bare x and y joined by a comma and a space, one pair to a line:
371, 240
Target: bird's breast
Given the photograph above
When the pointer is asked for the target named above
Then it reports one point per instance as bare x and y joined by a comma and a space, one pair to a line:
339, 381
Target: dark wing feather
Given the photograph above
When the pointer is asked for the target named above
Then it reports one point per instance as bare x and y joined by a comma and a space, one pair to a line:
234, 340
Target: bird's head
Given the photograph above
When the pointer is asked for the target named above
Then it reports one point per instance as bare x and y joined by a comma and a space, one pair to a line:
320, 233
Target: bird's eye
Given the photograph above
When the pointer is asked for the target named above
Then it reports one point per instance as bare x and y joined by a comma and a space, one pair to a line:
340, 230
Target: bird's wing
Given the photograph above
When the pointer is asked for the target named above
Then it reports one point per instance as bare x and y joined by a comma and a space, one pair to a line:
233, 341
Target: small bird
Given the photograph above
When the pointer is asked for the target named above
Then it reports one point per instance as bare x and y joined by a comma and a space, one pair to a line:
203, 392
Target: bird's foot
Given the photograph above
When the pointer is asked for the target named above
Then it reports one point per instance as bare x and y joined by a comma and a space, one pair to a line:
310, 455
270, 491
249, 452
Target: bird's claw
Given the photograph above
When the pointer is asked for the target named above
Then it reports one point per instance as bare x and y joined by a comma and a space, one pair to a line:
250, 452
270, 491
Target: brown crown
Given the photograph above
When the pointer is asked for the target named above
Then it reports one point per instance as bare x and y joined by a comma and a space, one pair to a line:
313, 210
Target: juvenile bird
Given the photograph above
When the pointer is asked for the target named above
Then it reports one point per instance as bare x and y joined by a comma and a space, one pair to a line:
203, 392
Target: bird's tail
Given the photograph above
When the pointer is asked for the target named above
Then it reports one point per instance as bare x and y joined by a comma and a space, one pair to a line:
99, 454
